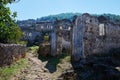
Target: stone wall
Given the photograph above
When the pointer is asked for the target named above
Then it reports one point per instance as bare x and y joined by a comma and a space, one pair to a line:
91, 36
63, 41
10, 53
63, 36
100, 37
45, 49
77, 40
53, 44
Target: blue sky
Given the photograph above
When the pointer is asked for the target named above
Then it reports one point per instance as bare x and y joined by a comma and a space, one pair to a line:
32, 9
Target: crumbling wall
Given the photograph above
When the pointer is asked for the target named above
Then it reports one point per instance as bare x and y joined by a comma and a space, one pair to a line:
77, 40
59, 42
63, 36
100, 37
63, 41
10, 53
91, 36
53, 44
44, 49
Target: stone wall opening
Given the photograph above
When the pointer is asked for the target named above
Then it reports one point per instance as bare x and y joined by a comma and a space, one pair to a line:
101, 29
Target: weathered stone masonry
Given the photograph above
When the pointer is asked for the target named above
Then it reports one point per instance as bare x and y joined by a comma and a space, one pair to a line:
63, 35
77, 40
60, 39
10, 53
95, 36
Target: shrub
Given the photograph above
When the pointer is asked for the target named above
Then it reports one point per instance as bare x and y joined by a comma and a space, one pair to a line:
46, 38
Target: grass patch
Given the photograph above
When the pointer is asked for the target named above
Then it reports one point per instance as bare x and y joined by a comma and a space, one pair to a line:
8, 72
65, 59
33, 50
22, 42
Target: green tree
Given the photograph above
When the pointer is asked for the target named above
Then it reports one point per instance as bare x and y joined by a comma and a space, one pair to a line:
9, 30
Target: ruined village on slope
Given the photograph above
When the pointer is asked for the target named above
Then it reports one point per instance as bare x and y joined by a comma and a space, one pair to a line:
83, 36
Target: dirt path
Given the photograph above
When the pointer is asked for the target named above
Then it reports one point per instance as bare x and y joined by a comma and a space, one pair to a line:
36, 70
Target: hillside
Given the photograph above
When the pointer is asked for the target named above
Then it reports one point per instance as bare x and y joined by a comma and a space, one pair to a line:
52, 18
59, 16
69, 16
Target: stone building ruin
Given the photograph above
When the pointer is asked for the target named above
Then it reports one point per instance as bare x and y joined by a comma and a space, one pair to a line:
10, 53
92, 36
63, 35
60, 38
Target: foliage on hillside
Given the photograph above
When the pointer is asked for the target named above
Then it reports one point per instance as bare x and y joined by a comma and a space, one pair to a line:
9, 30
52, 18
111, 17
58, 16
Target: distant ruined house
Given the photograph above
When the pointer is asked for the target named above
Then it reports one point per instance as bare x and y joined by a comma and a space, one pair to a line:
44, 26
34, 32
63, 35
29, 30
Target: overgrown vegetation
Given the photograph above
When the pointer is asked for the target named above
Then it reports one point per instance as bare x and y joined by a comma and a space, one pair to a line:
33, 50
9, 30
46, 38
8, 72
111, 17
22, 42
59, 17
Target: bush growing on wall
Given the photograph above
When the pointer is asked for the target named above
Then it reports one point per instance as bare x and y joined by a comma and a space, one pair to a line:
46, 38
9, 30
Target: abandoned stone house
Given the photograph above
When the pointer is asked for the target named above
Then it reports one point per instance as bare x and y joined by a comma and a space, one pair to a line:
60, 38
33, 33
63, 35
44, 26
27, 29
92, 35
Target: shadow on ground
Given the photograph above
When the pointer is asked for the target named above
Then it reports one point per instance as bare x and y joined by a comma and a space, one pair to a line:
99, 67
52, 62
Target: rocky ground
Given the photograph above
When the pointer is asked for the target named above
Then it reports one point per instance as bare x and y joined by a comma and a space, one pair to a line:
99, 67
41, 70
94, 67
